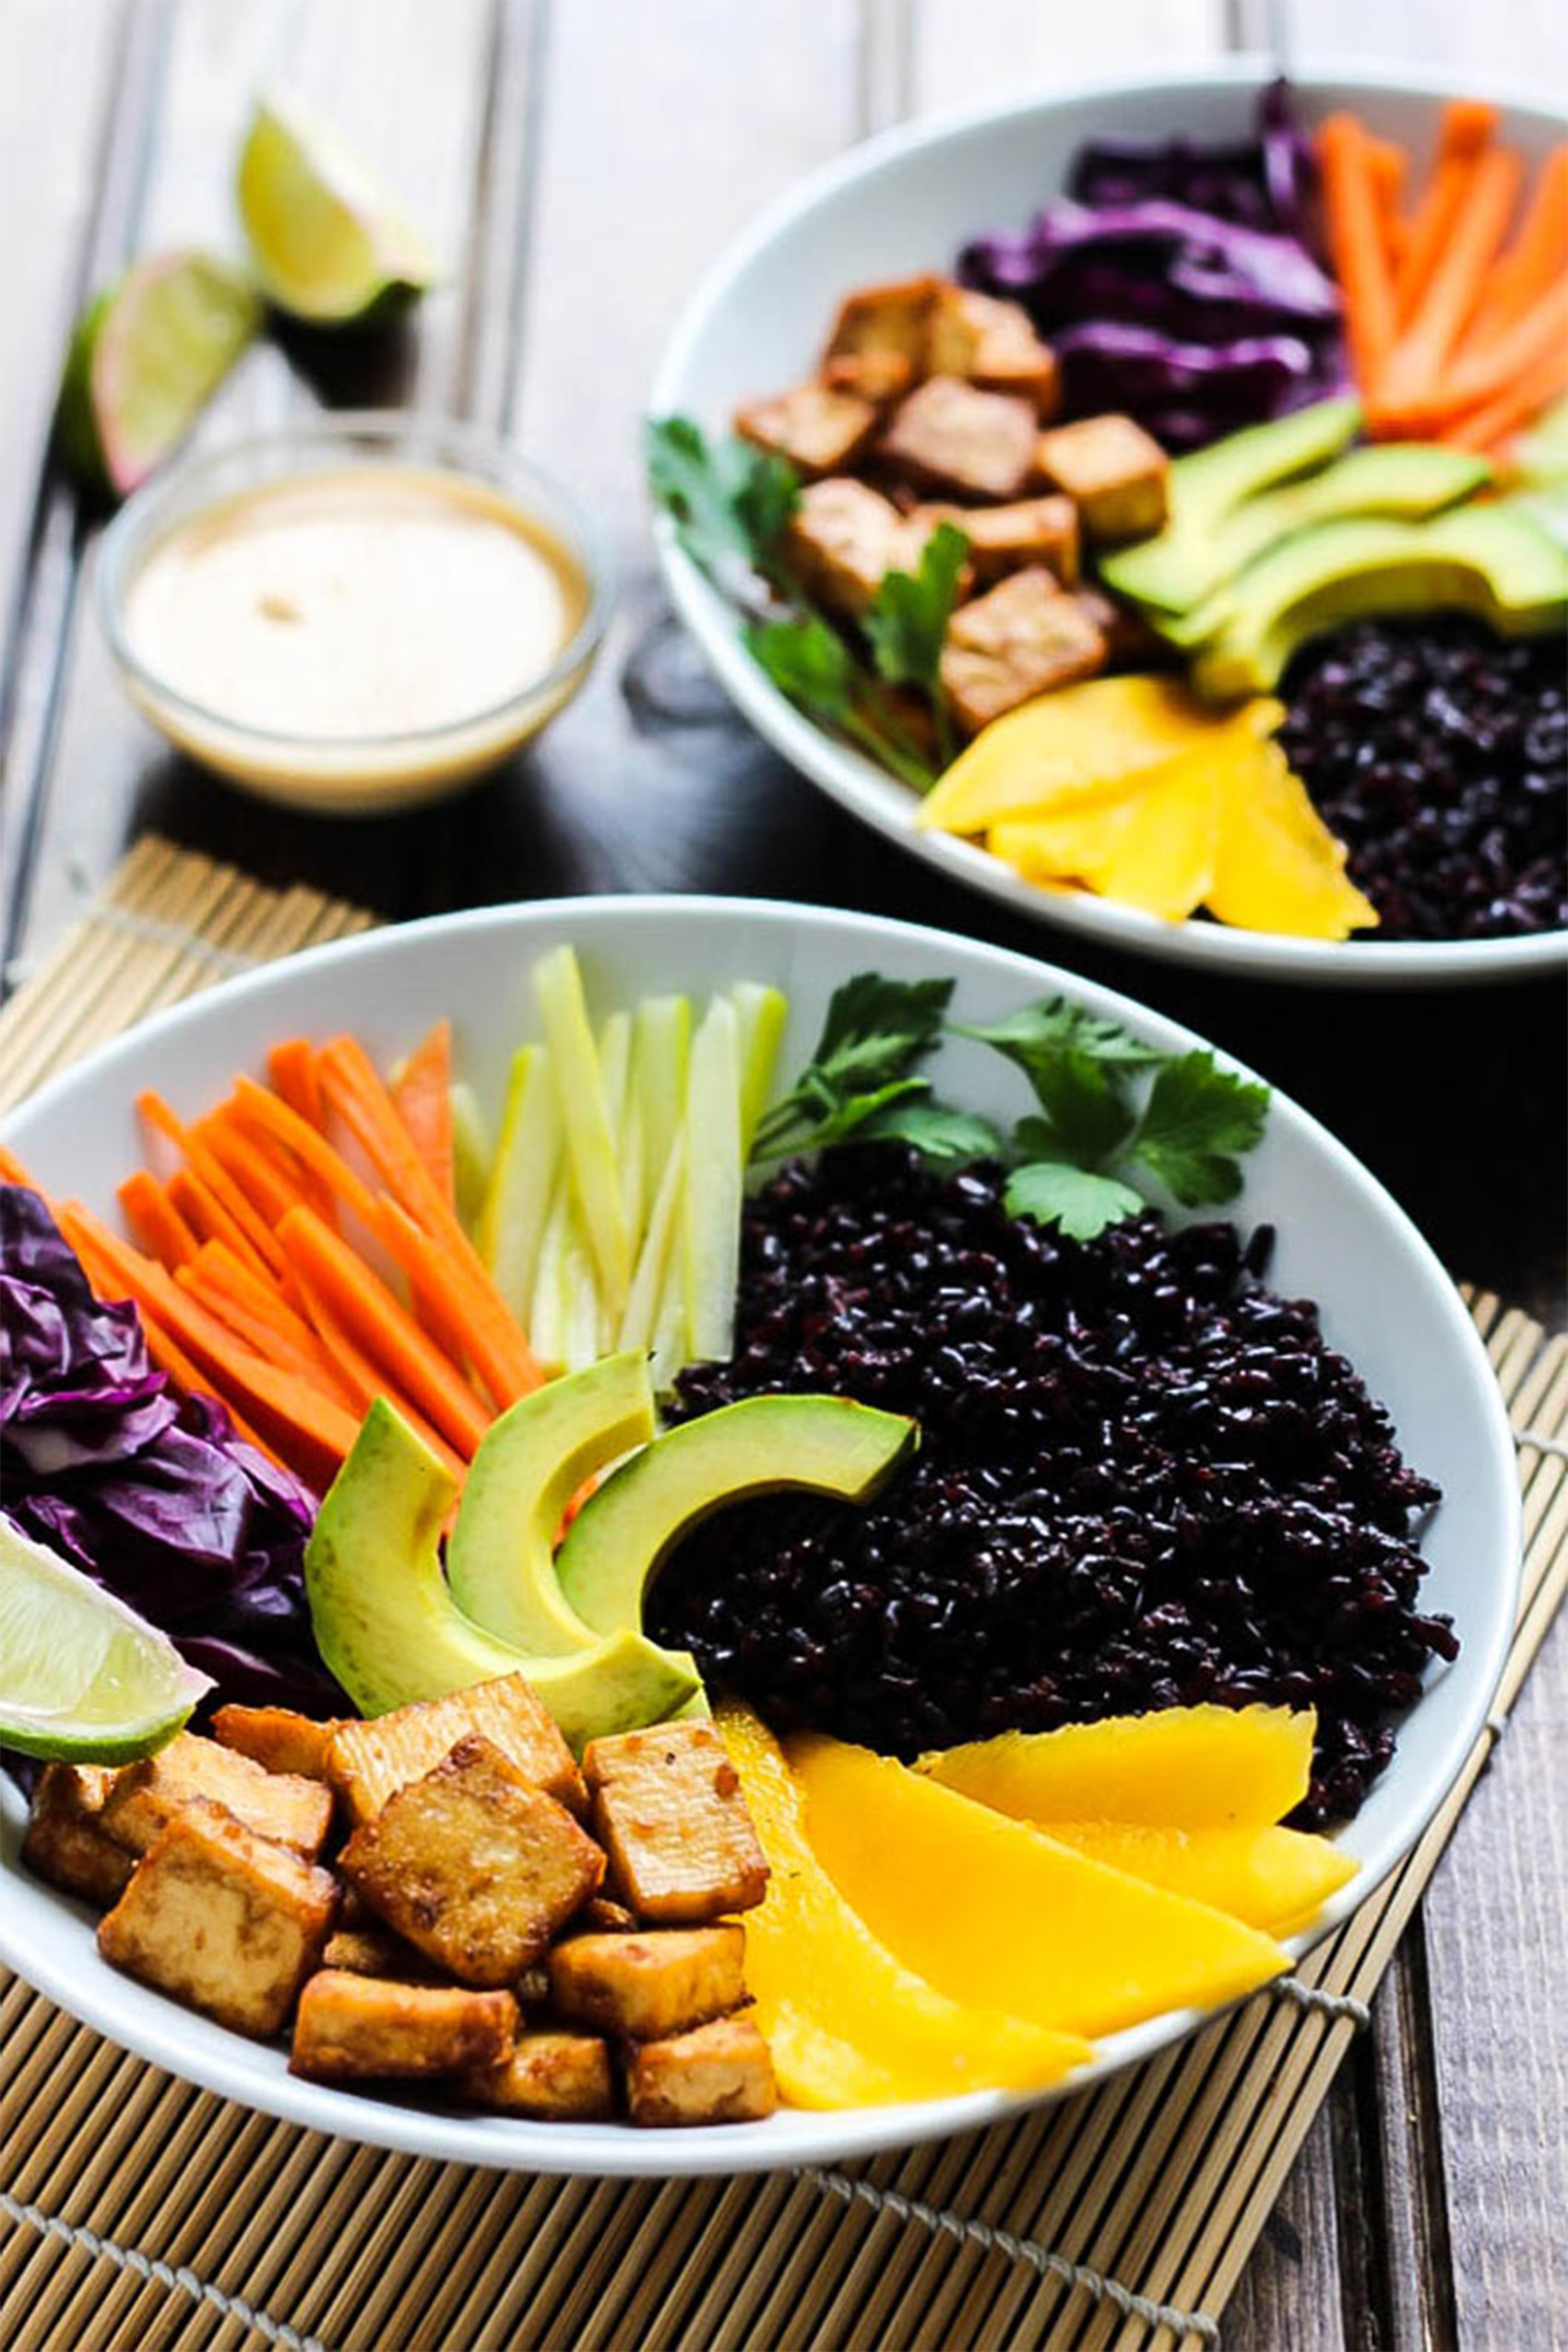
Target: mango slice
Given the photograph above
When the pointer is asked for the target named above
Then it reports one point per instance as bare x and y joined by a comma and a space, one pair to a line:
1278, 866
995, 1912
1272, 1879
1200, 1767
1154, 848
1075, 747
848, 2024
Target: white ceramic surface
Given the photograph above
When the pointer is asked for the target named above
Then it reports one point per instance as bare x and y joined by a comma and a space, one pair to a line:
1385, 1300
908, 201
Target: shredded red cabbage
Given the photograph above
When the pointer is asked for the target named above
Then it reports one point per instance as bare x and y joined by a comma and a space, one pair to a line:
149, 1492
1177, 282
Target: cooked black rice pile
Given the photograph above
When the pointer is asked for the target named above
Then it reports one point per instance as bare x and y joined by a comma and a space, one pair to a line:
1144, 1480
1438, 753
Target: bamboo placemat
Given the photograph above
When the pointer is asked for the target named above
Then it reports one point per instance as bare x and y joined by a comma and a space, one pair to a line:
137, 2212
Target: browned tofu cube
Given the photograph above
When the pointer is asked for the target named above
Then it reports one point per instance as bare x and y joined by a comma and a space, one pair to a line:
560, 2077
877, 376
602, 1916
841, 538
950, 435
719, 2074
476, 1868
349, 2028
222, 1918
1115, 473
66, 1842
367, 1761
669, 1812
993, 344
655, 1982
885, 322
276, 1737
1005, 539
818, 427
375, 1952
284, 1806
1021, 638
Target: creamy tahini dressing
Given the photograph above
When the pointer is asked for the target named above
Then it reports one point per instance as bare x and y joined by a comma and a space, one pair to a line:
377, 601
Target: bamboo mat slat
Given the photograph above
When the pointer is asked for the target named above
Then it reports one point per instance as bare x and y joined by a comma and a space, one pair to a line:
158, 2216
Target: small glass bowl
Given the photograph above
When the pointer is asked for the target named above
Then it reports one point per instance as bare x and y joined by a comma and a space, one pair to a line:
367, 773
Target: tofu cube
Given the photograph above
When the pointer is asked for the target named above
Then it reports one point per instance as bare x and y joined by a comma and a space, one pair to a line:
1004, 539
556, 2076
877, 376
719, 2074
276, 1737
599, 1916
282, 1806
1021, 638
1115, 473
950, 435
642, 1986
349, 2028
374, 1951
819, 427
842, 538
66, 1842
994, 344
222, 1920
367, 1761
887, 322
669, 1812
476, 1868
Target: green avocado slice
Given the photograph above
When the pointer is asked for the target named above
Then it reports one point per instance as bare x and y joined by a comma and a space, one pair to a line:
389, 1630
617, 1542
499, 1557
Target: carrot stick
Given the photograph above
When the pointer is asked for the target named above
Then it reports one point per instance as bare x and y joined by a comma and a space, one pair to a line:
1538, 258
1490, 425
365, 1380
1355, 236
156, 1224
383, 1328
1456, 282
12, 1170
351, 1088
208, 1219
226, 1272
299, 1421
290, 1066
309, 1362
423, 1099
253, 1106
272, 1189
466, 1312
157, 1115
1488, 363
1465, 130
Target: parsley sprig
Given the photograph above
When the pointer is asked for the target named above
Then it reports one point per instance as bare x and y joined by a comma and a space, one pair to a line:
730, 505
1115, 1116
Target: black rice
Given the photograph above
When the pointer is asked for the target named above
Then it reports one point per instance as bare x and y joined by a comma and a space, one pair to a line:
1144, 1481
1438, 754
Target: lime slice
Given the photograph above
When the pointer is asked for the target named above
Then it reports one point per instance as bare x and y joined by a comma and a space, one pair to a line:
147, 354
82, 1678
329, 243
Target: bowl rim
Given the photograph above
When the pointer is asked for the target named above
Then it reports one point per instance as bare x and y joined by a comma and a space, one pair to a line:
867, 790
454, 445
157, 2029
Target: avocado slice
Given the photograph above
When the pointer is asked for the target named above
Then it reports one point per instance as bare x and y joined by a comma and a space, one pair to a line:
391, 1633
1173, 570
619, 1540
500, 1556
1486, 559
1398, 478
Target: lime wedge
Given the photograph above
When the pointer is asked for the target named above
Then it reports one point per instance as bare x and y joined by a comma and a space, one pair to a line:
83, 1678
146, 355
329, 243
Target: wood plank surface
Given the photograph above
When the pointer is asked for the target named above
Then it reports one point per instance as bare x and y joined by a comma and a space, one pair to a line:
578, 166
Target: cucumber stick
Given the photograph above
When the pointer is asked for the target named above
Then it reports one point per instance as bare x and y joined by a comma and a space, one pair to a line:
762, 1012
662, 1044
625, 1123
528, 1158
715, 1174
471, 1158
640, 1322
580, 1096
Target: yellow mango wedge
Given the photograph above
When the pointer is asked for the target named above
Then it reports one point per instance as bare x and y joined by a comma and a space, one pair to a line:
848, 2024
1272, 1879
1155, 848
995, 1912
1279, 867
1199, 1767
1076, 747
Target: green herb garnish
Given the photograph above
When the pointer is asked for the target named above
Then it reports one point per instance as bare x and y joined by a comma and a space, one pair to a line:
907, 621
861, 1080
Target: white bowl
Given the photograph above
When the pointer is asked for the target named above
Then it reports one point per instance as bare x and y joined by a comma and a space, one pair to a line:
908, 201
1386, 1302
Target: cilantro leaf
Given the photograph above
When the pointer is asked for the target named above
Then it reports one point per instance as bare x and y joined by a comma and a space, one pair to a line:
729, 502
853, 1114
948, 1138
1055, 1024
1075, 1200
906, 622
879, 1025
807, 661
1197, 1119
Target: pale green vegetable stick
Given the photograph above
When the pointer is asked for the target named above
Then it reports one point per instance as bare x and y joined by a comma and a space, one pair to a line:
763, 1013
661, 1039
715, 1170
590, 1145
527, 1157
